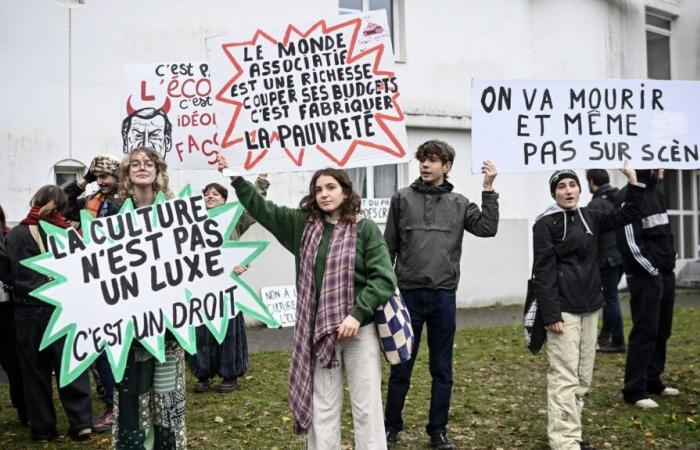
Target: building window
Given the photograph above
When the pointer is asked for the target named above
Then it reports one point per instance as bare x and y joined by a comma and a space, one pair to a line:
658, 31
67, 171
680, 186
394, 15
682, 189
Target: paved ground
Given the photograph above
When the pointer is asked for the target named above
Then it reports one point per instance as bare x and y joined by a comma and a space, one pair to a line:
265, 339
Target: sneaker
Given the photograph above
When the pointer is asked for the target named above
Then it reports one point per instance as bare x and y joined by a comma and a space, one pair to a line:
105, 422
392, 438
670, 392
82, 434
586, 446
440, 442
227, 386
612, 349
646, 403
201, 386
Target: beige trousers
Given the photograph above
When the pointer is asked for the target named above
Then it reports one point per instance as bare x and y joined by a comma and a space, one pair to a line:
360, 360
571, 356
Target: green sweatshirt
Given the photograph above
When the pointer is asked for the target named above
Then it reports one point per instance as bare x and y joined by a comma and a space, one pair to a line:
375, 280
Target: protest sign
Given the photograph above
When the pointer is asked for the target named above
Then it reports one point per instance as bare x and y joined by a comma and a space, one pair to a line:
307, 97
135, 275
376, 209
281, 301
169, 107
530, 125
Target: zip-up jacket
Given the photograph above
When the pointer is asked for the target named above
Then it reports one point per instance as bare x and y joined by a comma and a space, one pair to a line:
4, 260
646, 244
21, 245
605, 199
424, 231
565, 266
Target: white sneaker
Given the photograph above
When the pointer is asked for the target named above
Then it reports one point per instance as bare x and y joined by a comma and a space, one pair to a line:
670, 392
646, 403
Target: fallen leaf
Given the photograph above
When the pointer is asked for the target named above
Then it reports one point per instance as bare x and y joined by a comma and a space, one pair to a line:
219, 419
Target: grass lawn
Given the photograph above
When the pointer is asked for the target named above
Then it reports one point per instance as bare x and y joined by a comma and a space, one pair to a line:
498, 401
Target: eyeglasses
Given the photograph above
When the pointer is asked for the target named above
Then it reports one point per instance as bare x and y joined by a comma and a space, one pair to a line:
146, 164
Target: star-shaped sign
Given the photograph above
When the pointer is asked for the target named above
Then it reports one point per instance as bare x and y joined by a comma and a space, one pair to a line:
138, 274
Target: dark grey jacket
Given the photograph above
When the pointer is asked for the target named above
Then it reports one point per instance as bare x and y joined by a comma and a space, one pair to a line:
424, 232
4, 260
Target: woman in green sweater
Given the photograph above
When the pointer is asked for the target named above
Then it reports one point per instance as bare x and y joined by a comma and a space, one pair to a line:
343, 274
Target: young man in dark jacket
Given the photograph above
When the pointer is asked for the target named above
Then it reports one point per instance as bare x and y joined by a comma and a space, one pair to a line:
568, 291
648, 257
612, 336
424, 230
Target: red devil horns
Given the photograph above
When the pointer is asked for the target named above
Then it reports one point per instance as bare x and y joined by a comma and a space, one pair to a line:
130, 109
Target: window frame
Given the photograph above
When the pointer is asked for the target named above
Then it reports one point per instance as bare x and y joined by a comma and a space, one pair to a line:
397, 25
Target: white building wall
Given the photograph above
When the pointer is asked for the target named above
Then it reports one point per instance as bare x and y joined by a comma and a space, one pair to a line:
447, 43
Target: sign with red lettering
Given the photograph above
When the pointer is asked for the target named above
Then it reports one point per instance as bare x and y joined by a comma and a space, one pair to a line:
170, 107
530, 125
303, 97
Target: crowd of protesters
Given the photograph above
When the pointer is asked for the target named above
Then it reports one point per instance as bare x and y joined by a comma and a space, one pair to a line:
345, 270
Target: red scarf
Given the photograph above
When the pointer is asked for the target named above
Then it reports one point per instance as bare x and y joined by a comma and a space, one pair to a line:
33, 218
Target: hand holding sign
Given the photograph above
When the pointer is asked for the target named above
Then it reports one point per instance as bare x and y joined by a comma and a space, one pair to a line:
168, 266
629, 172
490, 172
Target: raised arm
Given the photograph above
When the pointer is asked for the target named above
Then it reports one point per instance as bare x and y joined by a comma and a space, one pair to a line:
246, 220
281, 221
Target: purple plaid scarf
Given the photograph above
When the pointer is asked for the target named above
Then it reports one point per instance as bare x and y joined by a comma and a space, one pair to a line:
317, 322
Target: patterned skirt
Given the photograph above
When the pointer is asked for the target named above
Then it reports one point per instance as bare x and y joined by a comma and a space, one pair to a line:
228, 360
149, 402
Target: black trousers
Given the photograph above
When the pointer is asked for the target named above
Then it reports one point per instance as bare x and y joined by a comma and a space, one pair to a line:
651, 304
8, 358
37, 366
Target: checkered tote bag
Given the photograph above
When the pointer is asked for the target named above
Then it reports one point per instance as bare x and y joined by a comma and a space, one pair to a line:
395, 330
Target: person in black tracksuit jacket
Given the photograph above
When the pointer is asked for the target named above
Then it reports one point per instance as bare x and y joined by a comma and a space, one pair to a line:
568, 290
648, 258
612, 334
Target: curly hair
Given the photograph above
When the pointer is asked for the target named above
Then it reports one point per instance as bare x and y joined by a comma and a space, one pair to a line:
350, 207
441, 149
161, 183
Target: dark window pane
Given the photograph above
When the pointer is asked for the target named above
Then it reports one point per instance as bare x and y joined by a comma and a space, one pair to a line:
359, 180
689, 237
63, 178
670, 186
384, 4
385, 181
658, 22
687, 189
676, 230
348, 6
658, 56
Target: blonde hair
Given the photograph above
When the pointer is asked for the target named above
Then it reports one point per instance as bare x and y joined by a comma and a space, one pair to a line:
160, 184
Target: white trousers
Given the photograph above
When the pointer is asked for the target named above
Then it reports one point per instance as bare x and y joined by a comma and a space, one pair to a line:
571, 357
360, 360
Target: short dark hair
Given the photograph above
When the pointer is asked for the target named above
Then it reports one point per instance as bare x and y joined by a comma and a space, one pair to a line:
598, 176
441, 149
218, 188
350, 208
146, 113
